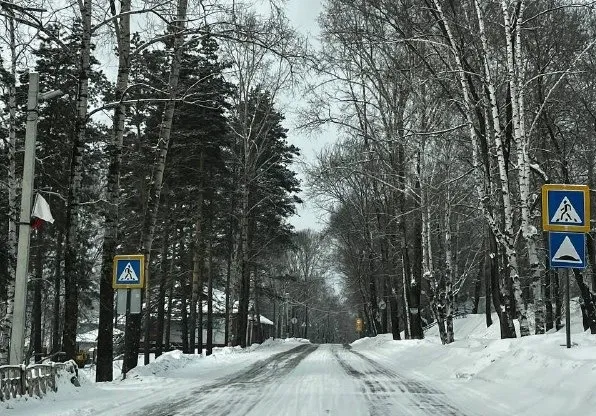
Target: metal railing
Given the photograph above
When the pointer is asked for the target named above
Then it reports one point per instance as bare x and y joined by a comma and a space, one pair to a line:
37, 379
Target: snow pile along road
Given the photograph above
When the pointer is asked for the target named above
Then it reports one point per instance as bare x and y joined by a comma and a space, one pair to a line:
170, 375
534, 375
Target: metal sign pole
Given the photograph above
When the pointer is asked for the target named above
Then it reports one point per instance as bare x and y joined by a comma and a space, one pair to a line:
127, 316
568, 312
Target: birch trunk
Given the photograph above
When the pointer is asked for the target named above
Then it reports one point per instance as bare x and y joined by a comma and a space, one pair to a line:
71, 282
427, 266
6, 308
154, 194
449, 337
514, 78
508, 237
105, 350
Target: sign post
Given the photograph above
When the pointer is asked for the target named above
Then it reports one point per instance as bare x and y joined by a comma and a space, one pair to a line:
128, 280
566, 216
359, 326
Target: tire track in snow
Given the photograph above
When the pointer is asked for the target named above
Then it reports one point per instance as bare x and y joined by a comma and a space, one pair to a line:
386, 390
233, 395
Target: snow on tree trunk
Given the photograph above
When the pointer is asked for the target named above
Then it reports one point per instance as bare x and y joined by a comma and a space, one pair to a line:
71, 295
524, 170
449, 337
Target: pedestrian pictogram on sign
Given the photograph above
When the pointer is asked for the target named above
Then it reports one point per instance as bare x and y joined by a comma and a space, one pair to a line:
129, 271
566, 213
128, 275
566, 208
567, 250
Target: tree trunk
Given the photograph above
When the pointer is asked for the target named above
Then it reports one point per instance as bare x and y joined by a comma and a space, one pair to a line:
154, 194
558, 300
6, 304
105, 343
230, 254
184, 318
37, 306
478, 285
449, 336
163, 281
71, 266
210, 300
548, 318
244, 268
56, 345
198, 266
588, 301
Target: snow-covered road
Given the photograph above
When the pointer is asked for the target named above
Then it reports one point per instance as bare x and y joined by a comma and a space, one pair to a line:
479, 374
310, 380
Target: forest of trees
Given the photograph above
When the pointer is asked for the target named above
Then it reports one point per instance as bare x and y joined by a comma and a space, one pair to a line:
452, 115
169, 140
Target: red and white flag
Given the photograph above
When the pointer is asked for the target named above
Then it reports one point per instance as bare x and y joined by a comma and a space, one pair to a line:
41, 212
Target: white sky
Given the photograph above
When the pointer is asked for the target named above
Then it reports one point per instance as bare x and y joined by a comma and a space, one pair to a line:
303, 15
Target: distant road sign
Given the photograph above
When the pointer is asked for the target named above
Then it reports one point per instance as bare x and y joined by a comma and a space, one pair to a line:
567, 250
566, 208
129, 271
359, 324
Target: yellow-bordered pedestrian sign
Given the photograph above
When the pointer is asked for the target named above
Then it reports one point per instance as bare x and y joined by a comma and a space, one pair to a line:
129, 271
566, 208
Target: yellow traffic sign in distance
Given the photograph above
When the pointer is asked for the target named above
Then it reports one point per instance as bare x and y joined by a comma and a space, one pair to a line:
566, 208
129, 271
359, 324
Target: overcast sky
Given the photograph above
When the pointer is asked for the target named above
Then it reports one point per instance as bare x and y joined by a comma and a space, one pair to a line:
303, 15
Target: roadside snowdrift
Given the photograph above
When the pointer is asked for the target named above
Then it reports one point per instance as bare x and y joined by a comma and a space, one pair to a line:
534, 375
171, 372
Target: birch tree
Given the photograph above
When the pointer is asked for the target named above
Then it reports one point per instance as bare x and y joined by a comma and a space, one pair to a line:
178, 27
106, 311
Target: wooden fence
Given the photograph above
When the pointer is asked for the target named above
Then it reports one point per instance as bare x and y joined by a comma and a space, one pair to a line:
37, 379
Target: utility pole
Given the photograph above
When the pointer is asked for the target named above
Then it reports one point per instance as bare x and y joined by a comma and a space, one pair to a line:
17, 337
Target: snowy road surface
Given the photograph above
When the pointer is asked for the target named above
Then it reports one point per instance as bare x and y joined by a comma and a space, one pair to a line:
479, 374
309, 380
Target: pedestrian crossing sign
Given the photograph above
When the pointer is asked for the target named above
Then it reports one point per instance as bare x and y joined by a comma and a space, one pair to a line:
129, 271
567, 250
566, 208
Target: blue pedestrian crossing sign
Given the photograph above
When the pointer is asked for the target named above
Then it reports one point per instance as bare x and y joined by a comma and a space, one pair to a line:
567, 250
129, 271
566, 208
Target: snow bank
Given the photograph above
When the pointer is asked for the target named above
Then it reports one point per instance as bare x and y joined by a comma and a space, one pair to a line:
525, 376
171, 373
